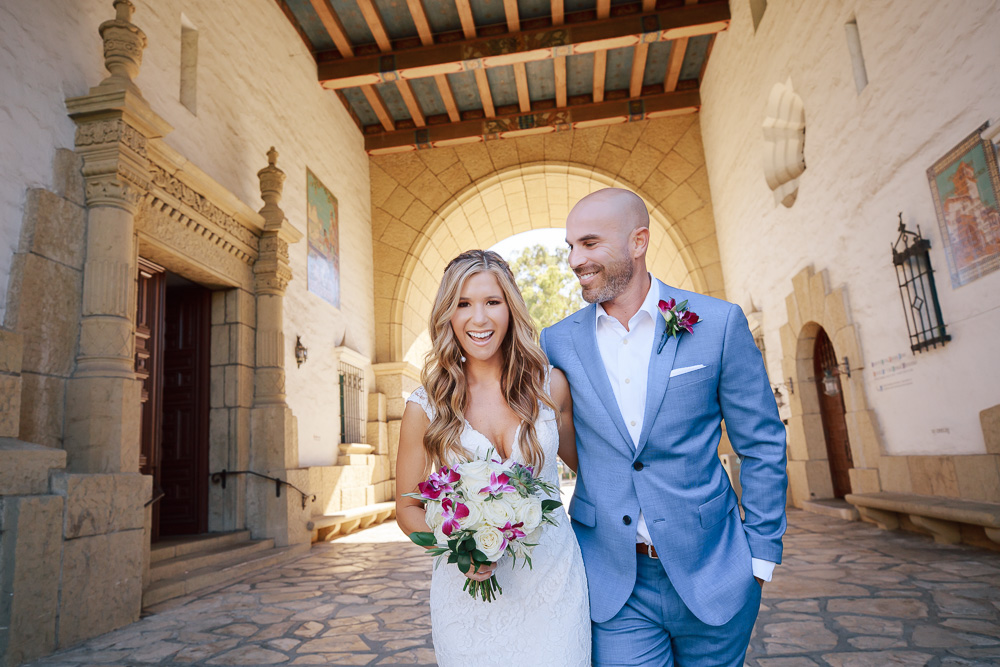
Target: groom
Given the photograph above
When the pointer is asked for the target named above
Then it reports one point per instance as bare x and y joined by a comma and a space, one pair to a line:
675, 575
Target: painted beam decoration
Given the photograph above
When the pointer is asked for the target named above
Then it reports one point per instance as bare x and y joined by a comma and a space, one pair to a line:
524, 47
323, 262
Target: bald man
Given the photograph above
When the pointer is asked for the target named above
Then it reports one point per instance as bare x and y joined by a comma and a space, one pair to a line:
675, 574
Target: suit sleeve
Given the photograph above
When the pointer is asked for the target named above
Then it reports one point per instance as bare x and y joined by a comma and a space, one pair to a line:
541, 343
757, 436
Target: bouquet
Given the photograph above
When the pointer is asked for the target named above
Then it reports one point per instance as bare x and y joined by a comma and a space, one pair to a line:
481, 510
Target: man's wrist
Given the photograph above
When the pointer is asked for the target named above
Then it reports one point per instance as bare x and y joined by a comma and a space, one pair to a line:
762, 569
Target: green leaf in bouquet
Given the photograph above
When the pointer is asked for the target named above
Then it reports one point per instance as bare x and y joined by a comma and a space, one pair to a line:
423, 539
452, 557
550, 505
480, 558
464, 562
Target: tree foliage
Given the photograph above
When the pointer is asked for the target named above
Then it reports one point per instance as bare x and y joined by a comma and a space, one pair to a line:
550, 288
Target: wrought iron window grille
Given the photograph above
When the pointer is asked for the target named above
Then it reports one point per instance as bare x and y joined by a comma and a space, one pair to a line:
911, 257
352, 406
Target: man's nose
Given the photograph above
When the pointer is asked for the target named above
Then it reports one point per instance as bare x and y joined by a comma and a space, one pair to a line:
576, 258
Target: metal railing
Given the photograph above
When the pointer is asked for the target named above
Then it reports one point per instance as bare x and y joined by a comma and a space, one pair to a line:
352, 404
221, 476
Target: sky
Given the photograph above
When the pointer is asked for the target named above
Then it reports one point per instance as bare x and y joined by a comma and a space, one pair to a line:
550, 237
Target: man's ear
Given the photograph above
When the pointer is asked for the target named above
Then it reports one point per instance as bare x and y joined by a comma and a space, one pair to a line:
640, 242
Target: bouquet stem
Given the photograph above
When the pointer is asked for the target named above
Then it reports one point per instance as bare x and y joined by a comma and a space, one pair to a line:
486, 591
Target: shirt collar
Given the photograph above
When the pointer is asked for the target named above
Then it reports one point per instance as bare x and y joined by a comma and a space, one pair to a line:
649, 304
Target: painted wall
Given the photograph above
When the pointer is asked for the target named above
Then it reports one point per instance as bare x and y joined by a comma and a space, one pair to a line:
256, 87
932, 80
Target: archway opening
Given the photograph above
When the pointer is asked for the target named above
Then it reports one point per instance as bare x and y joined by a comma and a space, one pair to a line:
832, 413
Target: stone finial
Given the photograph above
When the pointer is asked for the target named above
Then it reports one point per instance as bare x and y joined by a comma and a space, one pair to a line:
123, 45
272, 182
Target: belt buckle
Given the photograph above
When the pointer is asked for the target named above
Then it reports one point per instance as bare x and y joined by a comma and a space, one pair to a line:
650, 553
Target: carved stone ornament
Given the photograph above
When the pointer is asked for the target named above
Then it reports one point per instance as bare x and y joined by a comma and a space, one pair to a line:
201, 205
784, 142
123, 44
272, 181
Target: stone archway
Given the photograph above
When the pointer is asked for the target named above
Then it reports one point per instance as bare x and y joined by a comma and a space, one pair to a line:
812, 306
429, 205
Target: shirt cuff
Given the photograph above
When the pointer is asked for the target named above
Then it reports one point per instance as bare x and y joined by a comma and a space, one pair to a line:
762, 569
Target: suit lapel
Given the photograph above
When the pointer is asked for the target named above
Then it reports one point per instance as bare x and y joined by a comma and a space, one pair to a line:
660, 366
585, 342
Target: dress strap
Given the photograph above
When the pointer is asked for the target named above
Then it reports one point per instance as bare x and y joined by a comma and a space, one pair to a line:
419, 396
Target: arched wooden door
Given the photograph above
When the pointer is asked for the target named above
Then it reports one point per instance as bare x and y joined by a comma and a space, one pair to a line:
831, 405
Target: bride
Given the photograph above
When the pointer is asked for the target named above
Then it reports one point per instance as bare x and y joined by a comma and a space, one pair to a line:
487, 385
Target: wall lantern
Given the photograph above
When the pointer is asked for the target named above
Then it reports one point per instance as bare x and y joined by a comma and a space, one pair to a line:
831, 383
779, 398
301, 352
911, 256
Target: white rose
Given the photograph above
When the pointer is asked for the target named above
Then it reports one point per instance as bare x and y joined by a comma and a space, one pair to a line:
475, 518
432, 514
529, 512
490, 541
439, 535
533, 537
499, 512
475, 476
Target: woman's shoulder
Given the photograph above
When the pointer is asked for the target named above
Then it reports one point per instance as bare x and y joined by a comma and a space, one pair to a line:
419, 396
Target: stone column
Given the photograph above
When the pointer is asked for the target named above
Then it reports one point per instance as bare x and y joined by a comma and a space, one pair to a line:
396, 381
114, 123
274, 447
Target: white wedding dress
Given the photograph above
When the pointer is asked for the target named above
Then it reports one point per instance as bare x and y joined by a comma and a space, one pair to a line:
543, 616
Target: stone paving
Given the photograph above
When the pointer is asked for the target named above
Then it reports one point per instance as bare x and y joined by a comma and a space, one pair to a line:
847, 595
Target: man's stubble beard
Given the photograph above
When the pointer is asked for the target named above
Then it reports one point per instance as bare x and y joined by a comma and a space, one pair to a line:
617, 277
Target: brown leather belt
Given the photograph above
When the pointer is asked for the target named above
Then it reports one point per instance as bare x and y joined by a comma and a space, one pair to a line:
646, 549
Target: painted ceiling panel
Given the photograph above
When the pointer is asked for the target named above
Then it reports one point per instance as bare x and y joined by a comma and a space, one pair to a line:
656, 63
533, 9
580, 74
619, 68
570, 6
541, 80
353, 21
360, 106
393, 100
502, 85
397, 19
311, 25
442, 15
428, 96
695, 57
488, 12
463, 87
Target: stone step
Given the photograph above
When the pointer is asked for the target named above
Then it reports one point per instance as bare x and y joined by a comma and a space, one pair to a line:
172, 547
211, 577
832, 507
224, 553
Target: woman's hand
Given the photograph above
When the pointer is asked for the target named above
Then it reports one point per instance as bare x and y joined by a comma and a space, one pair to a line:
483, 573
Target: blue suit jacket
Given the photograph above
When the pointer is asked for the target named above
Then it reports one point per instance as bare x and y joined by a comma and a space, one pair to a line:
684, 493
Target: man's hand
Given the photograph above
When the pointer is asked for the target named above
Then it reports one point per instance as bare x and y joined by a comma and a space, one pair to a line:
760, 581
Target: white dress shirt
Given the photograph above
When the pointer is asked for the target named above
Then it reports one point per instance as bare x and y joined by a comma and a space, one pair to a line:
625, 353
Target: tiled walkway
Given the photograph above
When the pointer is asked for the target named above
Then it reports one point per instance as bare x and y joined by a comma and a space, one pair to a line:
847, 595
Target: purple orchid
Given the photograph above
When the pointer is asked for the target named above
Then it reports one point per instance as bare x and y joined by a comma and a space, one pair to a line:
498, 484
452, 512
512, 532
438, 482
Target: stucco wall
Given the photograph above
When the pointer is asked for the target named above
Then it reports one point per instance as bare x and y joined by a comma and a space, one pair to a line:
932, 80
256, 87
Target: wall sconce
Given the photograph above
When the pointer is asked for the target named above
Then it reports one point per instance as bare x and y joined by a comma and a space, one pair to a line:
831, 385
779, 398
301, 352
912, 259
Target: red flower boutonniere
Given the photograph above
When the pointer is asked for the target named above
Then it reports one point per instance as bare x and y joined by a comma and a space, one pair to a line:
678, 318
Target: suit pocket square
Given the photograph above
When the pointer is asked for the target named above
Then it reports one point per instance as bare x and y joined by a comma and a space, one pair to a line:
687, 369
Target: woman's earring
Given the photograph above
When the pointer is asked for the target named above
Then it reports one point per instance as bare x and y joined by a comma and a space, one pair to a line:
463, 358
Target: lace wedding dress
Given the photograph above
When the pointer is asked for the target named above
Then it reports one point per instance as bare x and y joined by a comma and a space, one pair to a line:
543, 616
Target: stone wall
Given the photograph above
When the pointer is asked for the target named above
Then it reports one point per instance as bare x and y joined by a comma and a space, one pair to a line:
430, 205
932, 80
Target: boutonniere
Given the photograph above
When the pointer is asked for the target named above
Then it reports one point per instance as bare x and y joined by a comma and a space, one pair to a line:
678, 318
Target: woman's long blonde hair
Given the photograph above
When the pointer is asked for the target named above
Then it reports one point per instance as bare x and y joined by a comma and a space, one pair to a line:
524, 364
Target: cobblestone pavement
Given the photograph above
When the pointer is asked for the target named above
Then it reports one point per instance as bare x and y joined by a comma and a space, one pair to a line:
847, 595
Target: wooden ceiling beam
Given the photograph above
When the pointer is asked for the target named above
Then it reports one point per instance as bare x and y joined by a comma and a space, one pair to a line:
416, 8
465, 16
558, 12
412, 105
600, 72
603, 9
648, 5
374, 21
675, 61
638, 69
328, 17
512, 125
485, 96
531, 45
378, 106
513, 18
521, 79
559, 64
447, 97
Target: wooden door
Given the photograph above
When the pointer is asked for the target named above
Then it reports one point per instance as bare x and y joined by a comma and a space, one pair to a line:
838, 446
150, 285
184, 444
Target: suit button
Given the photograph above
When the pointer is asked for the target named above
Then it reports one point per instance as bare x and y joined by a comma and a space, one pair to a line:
626, 519
637, 465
